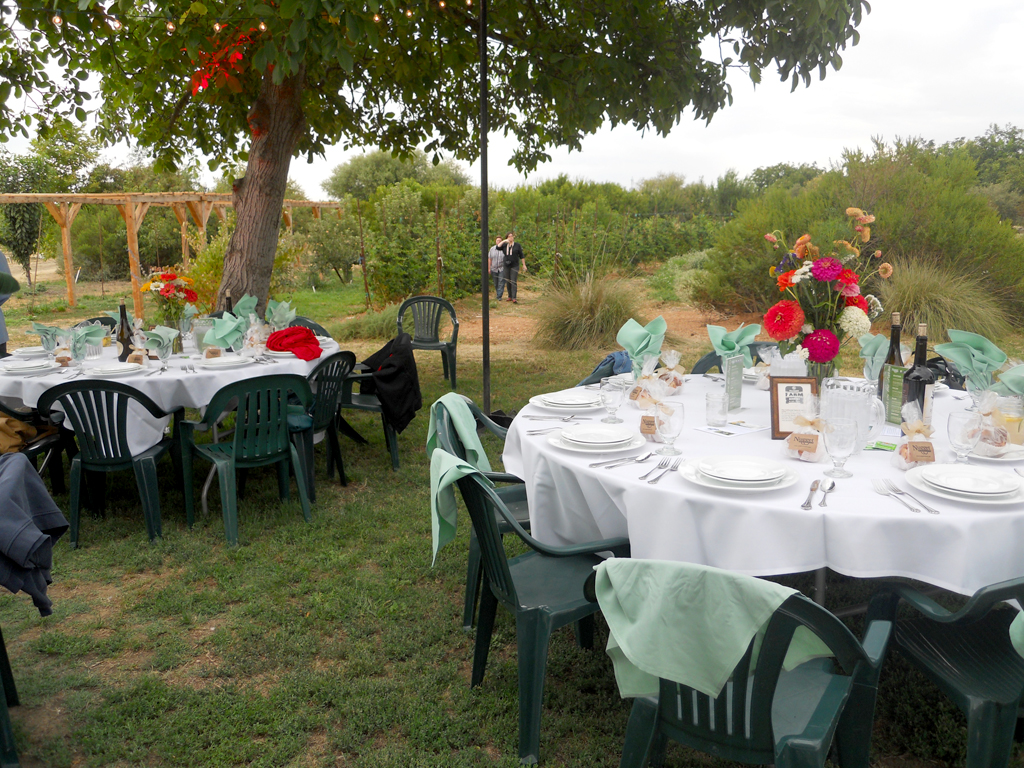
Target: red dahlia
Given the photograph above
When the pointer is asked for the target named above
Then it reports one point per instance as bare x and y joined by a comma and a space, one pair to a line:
857, 301
784, 320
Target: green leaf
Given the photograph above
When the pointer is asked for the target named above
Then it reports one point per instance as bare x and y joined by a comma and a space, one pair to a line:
345, 59
197, 8
80, 115
288, 8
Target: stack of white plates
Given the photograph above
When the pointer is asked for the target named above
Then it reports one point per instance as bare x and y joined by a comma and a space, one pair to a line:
30, 352
570, 400
965, 482
26, 367
113, 370
739, 473
279, 353
596, 438
226, 361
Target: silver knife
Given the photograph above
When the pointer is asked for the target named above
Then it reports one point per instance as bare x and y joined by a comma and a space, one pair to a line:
810, 496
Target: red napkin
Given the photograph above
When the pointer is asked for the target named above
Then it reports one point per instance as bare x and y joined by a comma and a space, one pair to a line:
297, 339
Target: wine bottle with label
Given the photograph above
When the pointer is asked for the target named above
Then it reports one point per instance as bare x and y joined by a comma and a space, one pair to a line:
919, 381
895, 356
123, 337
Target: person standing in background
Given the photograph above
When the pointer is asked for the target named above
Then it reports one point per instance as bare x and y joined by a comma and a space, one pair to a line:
513, 259
4, 296
497, 258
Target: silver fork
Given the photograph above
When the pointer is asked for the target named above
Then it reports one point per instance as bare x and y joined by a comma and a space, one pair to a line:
673, 467
663, 464
881, 488
897, 491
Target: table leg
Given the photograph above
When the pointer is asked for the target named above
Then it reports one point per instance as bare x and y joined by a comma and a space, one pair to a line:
819, 586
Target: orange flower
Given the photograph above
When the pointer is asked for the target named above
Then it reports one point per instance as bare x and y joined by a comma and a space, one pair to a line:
878, 254
800, 246
850, 248
865, 233
854, 212
785, 280
885, 270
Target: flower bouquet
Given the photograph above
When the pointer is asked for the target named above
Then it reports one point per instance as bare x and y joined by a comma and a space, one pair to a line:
173, 294
824, 307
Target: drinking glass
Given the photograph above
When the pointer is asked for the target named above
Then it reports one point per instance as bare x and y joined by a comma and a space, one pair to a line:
200, 327
668, 423
840, 440
612, 393
964, 433
79, 351
715, 409
976, 383
49, 342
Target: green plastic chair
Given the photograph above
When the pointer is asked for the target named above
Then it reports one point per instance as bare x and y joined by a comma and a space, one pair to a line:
261, 438
51, 447
359, 402
513, 496
98, 412
327, 381
712, 362
543, 589
427, 312
968, 654
764, 715
305, 322
8, 698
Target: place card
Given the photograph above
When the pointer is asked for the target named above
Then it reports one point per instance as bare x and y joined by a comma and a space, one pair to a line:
804, 443
920, 450
732, 367
790, 397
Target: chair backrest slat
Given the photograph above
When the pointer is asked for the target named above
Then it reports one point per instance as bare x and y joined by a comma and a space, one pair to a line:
492, 550
328, 379
427, 312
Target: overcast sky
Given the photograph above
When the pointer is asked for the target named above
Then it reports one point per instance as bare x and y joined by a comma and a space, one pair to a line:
939, 69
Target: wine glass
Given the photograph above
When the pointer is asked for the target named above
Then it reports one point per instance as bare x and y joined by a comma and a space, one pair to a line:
840, 440
964, 430
668, 423
612, 393
976, 383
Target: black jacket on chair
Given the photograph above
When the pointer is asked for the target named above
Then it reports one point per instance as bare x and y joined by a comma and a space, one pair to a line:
395, 381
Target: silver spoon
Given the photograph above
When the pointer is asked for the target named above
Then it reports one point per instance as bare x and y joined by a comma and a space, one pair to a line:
828, 486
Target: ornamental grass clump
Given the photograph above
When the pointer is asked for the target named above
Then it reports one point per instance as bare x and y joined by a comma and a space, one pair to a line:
585, 313
374, 324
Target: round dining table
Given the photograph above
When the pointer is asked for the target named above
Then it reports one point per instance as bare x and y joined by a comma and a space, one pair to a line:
859, 533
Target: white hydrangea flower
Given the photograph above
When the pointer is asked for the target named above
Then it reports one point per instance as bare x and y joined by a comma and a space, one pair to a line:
874, 306
808, 328
854, 321
804, 353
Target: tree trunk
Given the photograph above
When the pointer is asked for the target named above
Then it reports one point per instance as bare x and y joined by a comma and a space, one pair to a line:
275, 122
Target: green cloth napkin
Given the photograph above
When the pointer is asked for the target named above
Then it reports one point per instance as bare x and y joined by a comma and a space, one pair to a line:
244, 307
445, 469
47, 333
227, 331
873, 350
160, 339
639, 340
729, 343
687, 623
280, 313
116, 315
1010, 382
185, 324
972, 354
465, 427
87, 334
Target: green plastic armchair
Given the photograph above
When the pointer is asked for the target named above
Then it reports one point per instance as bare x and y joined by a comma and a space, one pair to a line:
98, 413
543, 589
514, 497
261, 438
50, 446
969, 655
766, 715
427, 312
8, 698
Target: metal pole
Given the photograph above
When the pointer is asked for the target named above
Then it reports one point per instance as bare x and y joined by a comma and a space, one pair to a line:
485, 234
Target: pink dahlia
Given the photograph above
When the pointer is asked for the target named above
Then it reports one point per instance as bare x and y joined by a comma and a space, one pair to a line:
821, 345
784, 320
849, 290
826, 269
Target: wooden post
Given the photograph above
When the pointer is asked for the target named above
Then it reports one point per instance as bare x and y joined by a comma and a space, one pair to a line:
64, 216
200, 210
437, 242
362, 255
222, 215
181, 214
316, 212
133, 216
288, 217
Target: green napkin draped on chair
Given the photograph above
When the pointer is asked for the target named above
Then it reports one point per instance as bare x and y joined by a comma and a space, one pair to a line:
160, 340
974, 356
280, 314
88, 334
244, 307
873, 350
731, 343
687, 623
465, 427
227, 331
445, 470
47, 334
639, 340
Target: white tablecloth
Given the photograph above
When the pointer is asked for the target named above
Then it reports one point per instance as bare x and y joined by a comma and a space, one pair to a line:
173, 388
859, 533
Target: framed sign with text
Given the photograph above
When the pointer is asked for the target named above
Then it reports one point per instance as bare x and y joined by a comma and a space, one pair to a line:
790, 398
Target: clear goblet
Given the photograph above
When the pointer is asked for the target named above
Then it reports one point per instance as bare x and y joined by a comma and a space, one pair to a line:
840, 440
964, 429
612, 393
668, 423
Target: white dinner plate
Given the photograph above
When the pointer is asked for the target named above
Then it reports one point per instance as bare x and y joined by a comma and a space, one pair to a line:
597, 434
573, 398
112, 370
969, 479
1017, 455
280, 353
940, 387
741, 469
691, 471
558, 442
913, 477
50, 365
26, 366
535, 400
30, 352
216, 363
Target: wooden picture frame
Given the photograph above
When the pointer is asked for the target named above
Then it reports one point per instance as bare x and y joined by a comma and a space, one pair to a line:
788, 400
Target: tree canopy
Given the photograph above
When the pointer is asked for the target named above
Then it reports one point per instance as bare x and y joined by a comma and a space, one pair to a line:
362, 175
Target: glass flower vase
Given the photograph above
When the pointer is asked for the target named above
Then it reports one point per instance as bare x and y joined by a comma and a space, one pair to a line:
821, 371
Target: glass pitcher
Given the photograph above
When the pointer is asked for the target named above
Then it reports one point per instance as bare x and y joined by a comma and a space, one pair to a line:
857, 399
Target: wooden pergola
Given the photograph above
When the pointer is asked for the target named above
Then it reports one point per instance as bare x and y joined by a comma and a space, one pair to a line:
133, 207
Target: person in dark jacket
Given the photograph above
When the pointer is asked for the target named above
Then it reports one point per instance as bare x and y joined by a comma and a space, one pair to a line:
513, 260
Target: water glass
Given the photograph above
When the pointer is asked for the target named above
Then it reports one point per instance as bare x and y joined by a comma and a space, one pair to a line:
840, 440
964, 430
613, 391
668, 423
200, 326
716, 411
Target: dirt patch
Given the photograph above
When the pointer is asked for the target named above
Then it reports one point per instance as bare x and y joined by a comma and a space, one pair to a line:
47, 723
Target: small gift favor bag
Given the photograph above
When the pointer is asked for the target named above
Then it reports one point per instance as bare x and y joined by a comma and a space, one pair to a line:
806, 443
671, 372
915, 447
641, 393
1000, 426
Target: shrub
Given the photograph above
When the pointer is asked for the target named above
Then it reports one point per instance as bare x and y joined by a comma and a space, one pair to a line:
674, 279
925, 292
374, 324
578, 314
